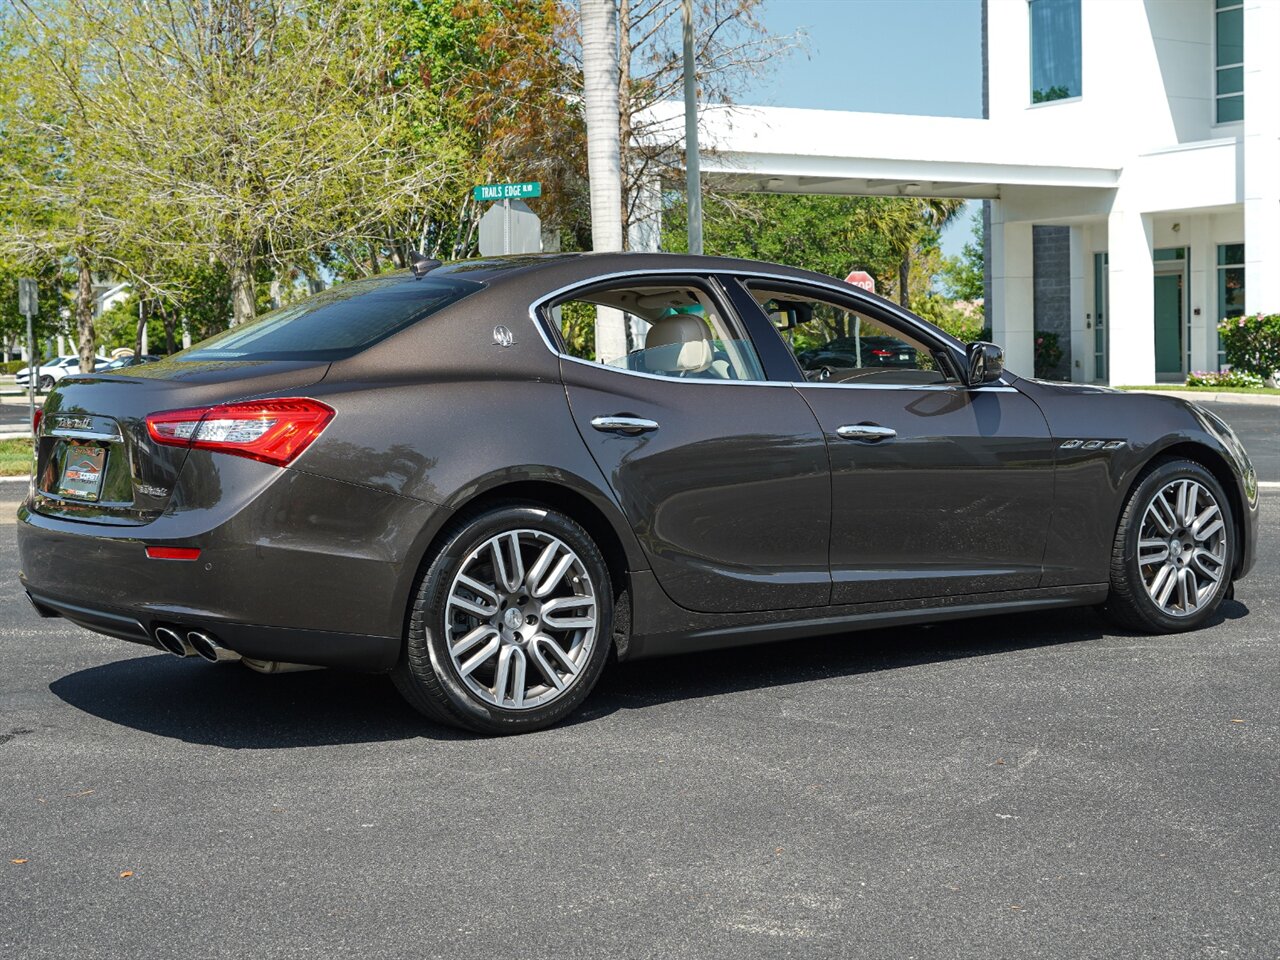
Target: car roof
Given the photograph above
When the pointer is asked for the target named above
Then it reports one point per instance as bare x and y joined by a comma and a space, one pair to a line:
500, 269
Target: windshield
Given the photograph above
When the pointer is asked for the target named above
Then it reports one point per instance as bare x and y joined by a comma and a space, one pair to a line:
336, 323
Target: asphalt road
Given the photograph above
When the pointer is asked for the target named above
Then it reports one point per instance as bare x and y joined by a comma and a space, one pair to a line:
1025, 786
1258, 428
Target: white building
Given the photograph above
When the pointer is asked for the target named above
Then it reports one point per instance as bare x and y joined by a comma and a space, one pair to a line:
1130, 151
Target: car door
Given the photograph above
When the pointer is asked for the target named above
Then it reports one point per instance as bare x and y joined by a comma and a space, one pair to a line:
721, 473
938, 489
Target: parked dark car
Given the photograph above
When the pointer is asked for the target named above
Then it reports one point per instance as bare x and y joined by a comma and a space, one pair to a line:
490, 479
844, 353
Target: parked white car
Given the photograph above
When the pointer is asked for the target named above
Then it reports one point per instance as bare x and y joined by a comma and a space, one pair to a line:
53, 371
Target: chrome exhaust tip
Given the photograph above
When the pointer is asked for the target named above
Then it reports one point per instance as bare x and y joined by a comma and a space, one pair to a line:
208, 648
173, 642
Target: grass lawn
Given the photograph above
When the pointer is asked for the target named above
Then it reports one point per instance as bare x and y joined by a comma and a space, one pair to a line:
15, 458
1270, 391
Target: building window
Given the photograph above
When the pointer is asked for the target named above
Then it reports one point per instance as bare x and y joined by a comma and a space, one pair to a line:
1055, 49
1228, 33
1230, 287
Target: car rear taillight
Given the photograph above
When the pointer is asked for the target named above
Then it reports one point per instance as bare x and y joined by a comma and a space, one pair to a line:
273, 431
35, 420
882, 353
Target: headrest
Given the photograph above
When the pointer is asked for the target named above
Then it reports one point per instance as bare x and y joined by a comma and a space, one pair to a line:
678, 344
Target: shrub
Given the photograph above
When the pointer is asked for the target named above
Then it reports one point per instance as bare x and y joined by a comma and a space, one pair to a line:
12, 366
1227, 378
1048, 354
1252, 344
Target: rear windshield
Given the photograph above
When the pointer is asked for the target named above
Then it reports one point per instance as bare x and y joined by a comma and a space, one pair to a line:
336, 323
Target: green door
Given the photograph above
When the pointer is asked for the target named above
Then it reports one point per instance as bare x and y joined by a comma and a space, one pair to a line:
1169, 324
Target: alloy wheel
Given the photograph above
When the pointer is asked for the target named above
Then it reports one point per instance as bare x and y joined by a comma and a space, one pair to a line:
521, 619
1182, 547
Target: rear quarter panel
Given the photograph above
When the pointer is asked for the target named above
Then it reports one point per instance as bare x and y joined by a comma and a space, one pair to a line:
443, 414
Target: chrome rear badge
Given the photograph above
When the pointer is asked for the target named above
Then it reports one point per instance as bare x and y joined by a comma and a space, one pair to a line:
74, 423
503, 336
151, 491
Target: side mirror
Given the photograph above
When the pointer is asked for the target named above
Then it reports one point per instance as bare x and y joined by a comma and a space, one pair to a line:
984, 362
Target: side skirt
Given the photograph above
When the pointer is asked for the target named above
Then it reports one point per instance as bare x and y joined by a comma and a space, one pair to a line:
661, 629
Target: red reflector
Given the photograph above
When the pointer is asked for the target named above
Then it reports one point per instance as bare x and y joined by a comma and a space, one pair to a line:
173, 553
273, 431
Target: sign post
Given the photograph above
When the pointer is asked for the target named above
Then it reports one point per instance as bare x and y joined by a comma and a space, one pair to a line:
521, 230
28, 304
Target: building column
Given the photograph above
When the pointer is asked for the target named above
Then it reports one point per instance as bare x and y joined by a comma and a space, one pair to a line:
1131, 290
1261, 157
1012, 307
1202, 281
1081, 342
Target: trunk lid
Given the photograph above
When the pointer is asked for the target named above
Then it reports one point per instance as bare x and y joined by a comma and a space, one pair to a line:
93, 433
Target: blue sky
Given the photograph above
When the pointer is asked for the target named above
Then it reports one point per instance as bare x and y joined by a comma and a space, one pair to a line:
882, 56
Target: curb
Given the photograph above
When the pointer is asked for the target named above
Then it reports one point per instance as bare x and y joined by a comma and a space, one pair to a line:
1256, 399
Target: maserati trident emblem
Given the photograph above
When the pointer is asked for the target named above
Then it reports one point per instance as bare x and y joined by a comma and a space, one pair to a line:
503, 336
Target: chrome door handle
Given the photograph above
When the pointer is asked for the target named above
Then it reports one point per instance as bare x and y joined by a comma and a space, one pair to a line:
628, 425
866, 431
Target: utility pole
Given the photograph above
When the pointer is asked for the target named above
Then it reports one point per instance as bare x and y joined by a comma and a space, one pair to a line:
693, 175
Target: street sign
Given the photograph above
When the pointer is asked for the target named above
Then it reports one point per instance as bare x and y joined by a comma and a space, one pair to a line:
510, 227
28, 301
507, 191
860, 278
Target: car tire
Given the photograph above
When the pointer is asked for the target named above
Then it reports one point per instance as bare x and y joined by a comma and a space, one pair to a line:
517, 585
1174, 550
45, 383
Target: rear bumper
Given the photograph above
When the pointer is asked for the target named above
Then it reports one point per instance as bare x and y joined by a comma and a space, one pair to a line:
321, 648
306, 570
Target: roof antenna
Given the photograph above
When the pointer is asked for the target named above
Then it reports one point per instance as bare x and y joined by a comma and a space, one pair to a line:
421, 265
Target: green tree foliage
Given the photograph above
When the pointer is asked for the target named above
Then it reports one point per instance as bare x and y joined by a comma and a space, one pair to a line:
831, 235
963, 275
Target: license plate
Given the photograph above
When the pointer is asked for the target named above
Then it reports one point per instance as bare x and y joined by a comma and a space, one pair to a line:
904, 356
82, 471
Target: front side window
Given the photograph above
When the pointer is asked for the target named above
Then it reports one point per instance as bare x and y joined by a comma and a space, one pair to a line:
1055, 49
645, 326
1228, 58
835, 344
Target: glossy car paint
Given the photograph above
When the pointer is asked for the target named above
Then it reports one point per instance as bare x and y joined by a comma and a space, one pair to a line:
716, 525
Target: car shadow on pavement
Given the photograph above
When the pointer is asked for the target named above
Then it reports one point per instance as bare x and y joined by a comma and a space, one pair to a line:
229, 706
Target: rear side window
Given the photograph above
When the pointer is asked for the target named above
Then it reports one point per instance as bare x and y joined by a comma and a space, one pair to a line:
336, 323
667, 330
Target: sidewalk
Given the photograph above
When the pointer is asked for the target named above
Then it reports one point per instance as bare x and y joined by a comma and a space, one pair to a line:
1204, 396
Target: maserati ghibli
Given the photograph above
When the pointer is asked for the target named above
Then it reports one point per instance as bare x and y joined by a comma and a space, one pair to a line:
490, 478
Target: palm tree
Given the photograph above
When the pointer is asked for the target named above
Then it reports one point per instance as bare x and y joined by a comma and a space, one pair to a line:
600, 79
933, 216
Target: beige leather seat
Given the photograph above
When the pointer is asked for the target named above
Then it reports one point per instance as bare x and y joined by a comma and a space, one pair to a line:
678, 345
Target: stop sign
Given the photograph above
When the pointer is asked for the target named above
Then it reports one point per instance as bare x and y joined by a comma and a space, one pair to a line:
860, 278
